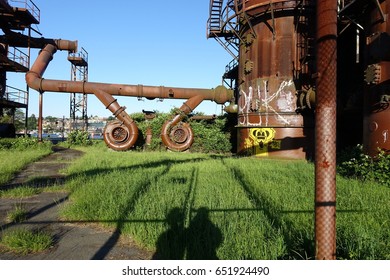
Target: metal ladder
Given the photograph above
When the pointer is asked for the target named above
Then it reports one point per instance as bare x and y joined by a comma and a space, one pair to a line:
215, 19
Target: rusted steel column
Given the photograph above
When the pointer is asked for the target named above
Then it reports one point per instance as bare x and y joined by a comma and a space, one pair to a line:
325, 163
40, 117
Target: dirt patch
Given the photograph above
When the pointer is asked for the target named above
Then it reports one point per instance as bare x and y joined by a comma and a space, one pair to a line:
72, 240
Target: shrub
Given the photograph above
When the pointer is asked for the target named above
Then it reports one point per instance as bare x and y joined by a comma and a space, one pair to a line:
209, 136
155, 125
355, 164
22, 143
79, 138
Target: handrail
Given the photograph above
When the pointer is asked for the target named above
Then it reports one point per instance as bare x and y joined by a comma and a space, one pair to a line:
232, 64
16, 95
82, 54
30, 6
18, 56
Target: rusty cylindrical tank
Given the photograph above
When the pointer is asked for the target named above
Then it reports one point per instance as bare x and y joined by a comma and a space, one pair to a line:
122, 135
376, 135
275, 69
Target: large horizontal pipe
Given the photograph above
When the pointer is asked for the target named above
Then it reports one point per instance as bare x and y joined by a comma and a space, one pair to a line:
34, 79
24, 41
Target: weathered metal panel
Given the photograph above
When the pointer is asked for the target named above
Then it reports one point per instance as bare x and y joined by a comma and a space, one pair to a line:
267, 102
376, 133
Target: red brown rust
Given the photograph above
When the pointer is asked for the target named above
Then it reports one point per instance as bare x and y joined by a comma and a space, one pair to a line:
176, 135
325, 162
123, 135
270, 54
376, 134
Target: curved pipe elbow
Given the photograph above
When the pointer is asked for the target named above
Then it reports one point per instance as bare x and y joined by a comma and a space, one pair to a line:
34, 76
34, 80
66, 45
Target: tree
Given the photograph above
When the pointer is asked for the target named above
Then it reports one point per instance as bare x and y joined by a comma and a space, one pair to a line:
14, 116
32, 122
20, 119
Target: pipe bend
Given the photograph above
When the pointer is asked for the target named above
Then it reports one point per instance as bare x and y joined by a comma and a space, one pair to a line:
66, 45
177, 137
119, 136
33, 79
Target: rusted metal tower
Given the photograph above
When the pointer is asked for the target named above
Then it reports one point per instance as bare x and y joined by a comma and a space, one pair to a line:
16, 16
78, 101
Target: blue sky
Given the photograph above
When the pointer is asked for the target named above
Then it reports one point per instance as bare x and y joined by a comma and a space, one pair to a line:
153, 42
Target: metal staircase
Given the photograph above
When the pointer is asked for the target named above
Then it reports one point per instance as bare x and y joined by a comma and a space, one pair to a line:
215, 19
222, 25
15, 15
78, 101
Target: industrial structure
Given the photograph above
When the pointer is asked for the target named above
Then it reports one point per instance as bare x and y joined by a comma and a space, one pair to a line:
17, 21
270, 83
12, 57
274, 72
299, 69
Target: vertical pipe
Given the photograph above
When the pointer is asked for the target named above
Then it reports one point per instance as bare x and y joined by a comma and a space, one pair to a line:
40, 117
325, 163
27, 87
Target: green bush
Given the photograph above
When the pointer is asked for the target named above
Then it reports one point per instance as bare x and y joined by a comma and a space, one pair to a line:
209, 136
79, 138
155, 126
22, 143
354, 163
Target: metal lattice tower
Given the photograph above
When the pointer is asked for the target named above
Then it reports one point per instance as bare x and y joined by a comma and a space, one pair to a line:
78, 101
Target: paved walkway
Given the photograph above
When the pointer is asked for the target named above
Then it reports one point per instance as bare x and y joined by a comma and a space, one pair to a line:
72, 240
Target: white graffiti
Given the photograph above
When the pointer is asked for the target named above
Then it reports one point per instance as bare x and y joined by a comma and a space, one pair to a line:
385, 134
285, 103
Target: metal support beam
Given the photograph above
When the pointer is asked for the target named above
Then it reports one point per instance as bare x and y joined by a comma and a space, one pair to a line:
325, 151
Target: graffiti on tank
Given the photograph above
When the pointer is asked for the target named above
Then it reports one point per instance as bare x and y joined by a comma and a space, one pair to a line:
260, 140
385, 134
261, 100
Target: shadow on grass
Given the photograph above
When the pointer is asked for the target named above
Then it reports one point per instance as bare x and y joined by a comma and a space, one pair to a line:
297, 242
199, 241
131, 202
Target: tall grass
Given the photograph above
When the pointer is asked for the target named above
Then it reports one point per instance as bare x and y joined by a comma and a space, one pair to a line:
25, 241
202, 206
13, 160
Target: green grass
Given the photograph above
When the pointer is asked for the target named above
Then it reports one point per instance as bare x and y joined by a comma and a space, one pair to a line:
17, 215
12, 161
23, 241
20, 192
212, 206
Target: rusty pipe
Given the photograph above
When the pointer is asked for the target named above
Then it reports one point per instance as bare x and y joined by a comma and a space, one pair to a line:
325, 151
178, 136
20, 40
34, 79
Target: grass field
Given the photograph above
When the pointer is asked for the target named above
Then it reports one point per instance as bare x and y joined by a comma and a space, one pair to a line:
12, 161
204, 206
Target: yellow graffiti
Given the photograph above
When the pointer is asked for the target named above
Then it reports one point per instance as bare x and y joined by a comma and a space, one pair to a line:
248, 143
260, 139
262, 135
